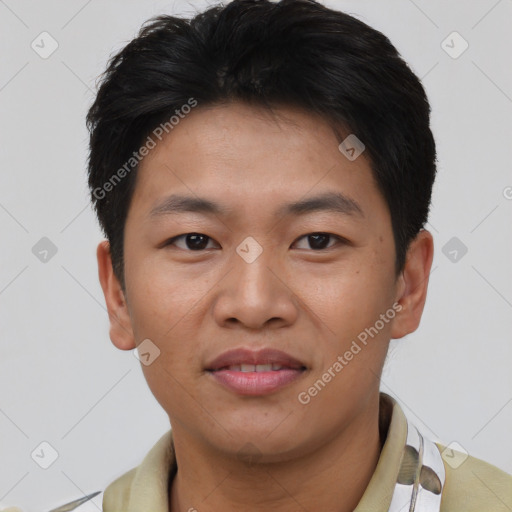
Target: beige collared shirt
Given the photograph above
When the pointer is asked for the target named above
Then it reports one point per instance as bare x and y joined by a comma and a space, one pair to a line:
470, 485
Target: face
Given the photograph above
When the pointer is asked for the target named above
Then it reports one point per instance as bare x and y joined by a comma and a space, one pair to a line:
296, 287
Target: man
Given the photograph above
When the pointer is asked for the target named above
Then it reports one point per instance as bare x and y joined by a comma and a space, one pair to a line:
294, 144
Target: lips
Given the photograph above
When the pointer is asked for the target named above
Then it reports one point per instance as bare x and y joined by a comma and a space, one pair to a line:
255, 373
254, 361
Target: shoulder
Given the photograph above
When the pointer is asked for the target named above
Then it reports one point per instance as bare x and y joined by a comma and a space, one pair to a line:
473, 485
117, 494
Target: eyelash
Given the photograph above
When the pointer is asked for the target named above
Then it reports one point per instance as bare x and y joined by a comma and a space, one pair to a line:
339, 239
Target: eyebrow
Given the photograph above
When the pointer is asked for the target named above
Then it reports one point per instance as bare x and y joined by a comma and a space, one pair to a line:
329, 201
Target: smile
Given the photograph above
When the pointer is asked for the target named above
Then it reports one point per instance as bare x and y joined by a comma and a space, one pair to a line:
255, 373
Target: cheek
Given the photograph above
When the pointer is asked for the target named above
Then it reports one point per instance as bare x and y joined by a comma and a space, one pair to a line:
165, 308
163, 297
351, 300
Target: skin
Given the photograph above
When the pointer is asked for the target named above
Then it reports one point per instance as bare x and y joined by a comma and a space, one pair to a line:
311, 303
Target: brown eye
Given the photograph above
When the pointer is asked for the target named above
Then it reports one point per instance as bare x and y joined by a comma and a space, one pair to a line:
320, 241
193, 241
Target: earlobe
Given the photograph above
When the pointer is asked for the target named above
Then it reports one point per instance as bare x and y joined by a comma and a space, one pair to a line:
413, 284
121, 333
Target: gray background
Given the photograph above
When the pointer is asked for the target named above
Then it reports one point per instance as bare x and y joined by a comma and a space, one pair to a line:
61, 379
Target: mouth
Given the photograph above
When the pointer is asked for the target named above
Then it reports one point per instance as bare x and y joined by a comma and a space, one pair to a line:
255, 373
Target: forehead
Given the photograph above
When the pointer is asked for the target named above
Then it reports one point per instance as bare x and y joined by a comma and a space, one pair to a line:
239, 155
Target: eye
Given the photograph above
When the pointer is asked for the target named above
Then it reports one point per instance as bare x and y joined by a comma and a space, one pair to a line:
319, 241
199, 241
193, 241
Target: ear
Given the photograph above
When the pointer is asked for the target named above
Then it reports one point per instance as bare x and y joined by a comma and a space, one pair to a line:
413, 284
121, 333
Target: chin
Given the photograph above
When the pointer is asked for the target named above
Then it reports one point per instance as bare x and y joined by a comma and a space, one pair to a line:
262, 451
259, 442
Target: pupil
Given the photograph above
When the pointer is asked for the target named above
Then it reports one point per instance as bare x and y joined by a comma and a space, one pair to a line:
315, 244
196, 243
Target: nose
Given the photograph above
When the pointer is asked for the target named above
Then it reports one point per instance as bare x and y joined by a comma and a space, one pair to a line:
255, 293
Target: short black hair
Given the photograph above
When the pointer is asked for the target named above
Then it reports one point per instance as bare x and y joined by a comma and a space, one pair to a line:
295, 53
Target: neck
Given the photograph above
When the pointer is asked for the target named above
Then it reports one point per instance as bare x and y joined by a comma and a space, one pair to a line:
333, 477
